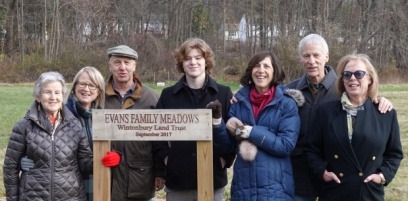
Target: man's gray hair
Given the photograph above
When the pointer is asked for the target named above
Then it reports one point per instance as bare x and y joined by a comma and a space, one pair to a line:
313, 38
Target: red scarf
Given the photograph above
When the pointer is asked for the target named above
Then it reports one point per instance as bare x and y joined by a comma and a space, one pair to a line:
259, 101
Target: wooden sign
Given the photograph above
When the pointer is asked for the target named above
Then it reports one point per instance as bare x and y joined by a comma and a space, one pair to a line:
153, 125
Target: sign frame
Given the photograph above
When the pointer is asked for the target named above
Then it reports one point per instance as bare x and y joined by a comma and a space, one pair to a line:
152, 125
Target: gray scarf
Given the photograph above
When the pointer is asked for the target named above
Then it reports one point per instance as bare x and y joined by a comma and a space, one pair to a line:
348, 106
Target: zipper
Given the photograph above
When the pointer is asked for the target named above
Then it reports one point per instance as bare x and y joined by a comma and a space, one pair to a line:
53, 159
52, 164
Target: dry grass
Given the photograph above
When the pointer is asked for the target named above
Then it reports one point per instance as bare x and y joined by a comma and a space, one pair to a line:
398, 95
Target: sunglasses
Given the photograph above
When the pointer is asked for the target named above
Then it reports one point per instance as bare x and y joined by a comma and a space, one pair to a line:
358, 74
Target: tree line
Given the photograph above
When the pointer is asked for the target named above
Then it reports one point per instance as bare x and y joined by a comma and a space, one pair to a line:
65, 35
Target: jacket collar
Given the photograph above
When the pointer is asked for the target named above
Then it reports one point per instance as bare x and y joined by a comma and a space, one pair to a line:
181, 84
35, 115
137, 93
326, 82
243, 94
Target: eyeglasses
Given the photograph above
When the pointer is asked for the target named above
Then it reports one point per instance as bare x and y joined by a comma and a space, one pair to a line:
82, 85
359, 74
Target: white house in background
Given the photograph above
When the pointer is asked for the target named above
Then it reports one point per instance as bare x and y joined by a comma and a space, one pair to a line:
154, 28
242, 29
239, 31
236, 31
231, 31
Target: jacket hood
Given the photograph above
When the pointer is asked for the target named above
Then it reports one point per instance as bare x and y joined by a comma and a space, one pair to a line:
296, 95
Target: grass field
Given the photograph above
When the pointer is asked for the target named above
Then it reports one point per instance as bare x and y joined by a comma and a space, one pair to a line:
15, 100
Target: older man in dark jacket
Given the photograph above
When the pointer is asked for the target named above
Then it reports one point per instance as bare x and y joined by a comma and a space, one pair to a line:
317, 85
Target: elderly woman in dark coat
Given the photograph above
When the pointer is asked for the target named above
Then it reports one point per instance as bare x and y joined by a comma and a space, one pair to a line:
53, 138
353, 148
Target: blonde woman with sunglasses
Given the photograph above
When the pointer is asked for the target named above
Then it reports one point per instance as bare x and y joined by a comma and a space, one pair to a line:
353, 148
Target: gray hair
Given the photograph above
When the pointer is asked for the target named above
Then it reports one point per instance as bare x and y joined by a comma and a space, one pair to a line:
312, 38
46, 78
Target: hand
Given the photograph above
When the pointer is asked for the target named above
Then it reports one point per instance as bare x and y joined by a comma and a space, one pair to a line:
374, 177
111, 159
215, 106
159, 183
384, 104
165, 160
329, 176
243, 131
233, 100
232, 124
26, 164
223, 162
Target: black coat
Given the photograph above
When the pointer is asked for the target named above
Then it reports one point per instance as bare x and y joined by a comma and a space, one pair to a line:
306, 183
375, 147
58, 160
181, 170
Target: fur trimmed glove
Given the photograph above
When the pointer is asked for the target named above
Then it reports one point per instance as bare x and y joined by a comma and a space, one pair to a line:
232, 124
243, 131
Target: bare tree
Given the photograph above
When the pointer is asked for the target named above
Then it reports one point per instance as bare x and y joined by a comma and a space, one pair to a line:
71, 29
9, 39
398, 18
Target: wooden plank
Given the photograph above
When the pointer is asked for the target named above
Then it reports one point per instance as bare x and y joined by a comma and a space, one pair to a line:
101, 174
205, 182
152, 125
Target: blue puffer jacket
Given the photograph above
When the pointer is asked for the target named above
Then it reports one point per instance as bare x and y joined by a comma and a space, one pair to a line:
269, 175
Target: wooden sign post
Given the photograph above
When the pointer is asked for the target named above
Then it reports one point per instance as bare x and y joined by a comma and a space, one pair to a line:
152, 125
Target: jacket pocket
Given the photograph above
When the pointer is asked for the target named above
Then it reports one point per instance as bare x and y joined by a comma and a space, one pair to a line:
141, 181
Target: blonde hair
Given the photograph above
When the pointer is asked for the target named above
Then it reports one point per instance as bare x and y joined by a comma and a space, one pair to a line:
372, 87
97, 78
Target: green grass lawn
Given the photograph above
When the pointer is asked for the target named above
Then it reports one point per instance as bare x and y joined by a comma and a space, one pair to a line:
15, 100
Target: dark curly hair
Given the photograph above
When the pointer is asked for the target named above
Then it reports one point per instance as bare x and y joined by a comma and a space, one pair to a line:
278, 74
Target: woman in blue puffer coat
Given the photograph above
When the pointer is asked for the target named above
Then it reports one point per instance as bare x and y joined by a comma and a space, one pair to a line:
266, 124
